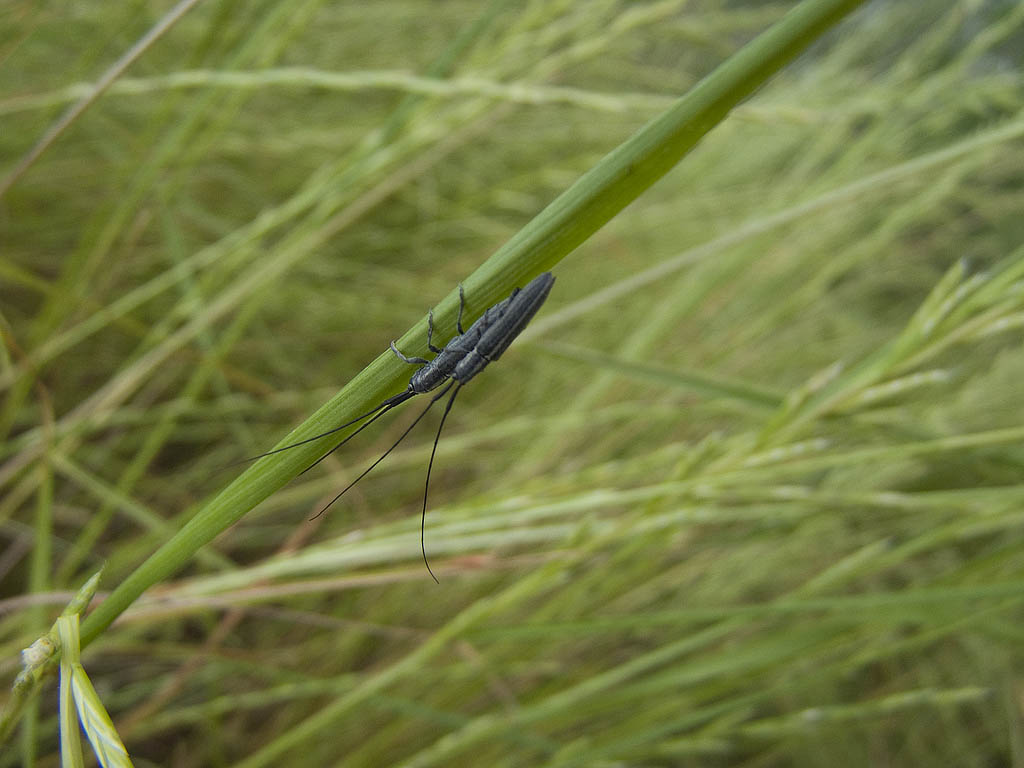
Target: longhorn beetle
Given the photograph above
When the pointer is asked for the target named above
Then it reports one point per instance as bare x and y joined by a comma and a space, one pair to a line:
460, 360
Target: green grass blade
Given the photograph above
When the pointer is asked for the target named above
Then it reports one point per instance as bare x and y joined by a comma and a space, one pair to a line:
75, 685
576, 214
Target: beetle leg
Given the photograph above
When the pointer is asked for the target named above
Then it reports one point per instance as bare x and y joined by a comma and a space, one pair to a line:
430, 331
410, 360
462, 306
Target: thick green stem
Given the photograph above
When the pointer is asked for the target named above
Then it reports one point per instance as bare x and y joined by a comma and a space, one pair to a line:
617, 180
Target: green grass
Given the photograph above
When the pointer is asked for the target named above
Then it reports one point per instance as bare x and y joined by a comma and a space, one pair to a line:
747, 491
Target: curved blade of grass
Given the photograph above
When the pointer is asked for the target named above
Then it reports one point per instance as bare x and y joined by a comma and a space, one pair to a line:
576, 214
79, 696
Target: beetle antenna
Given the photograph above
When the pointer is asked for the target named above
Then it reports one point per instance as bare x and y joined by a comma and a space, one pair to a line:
380, 413
401, 437
426, 486
391, 402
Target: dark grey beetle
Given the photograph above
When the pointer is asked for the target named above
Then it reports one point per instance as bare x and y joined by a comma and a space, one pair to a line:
460, 360
469, 353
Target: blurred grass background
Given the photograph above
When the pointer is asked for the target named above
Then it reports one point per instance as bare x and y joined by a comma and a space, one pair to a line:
748, 491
